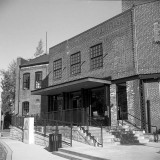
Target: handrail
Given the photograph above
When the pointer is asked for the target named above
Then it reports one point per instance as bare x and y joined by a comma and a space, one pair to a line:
55, 123
91, 119
156, 133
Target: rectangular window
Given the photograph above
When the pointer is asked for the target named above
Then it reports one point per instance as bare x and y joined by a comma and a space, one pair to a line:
57, 69
96, 54
26, 81
25, 106
75, 62
38, 80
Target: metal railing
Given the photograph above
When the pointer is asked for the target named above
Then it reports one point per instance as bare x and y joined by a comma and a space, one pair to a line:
93, 125
76, 116
62, 122
156, 130
49, 126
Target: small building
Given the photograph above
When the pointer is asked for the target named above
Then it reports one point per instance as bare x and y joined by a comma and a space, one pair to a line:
30, 75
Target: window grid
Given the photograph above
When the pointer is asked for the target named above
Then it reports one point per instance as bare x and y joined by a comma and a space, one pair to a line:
26, 81
25, 108
75, 61
57, 69
38, 80
96, 54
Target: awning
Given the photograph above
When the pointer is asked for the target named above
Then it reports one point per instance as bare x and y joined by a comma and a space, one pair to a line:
71, 86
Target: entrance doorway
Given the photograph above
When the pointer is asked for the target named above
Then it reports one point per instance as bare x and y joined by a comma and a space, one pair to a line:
97, 102
99, 110
122, 102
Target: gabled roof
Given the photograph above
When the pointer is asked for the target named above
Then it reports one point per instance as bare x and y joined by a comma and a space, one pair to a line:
43, 59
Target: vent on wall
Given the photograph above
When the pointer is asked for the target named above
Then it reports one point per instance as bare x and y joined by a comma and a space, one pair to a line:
157, 32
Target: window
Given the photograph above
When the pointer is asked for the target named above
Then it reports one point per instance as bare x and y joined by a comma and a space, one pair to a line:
96, 54
57, 69
75, 61
38, 80
25, 108
26, 81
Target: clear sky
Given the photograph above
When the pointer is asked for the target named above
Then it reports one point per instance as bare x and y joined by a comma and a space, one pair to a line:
24, 22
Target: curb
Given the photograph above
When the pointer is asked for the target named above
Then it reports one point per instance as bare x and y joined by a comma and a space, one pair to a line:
7, 150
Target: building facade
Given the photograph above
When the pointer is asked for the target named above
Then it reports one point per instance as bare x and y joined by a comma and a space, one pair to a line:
30, 75
110, 72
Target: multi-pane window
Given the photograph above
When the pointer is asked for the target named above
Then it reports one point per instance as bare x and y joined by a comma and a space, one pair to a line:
57, 69
96, 54
38, 80
26, 81
25, 108
75, 63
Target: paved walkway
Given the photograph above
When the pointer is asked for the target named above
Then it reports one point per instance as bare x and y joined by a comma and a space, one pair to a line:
21, 151
149, 151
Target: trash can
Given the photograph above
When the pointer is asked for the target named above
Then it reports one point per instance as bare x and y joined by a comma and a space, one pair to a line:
55, 142
59, 140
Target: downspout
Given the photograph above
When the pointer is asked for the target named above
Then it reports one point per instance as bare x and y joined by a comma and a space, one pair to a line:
135, 50
18, 88
135, 42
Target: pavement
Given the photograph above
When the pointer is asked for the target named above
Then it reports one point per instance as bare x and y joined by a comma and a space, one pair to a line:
20, 151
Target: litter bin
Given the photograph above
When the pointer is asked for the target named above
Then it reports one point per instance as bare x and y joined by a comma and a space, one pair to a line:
55, 142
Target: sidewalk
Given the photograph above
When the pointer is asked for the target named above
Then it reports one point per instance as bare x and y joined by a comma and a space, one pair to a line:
22, 151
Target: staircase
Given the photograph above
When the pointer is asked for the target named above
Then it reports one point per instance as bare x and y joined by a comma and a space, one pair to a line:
116, 135
125, 136
4, 133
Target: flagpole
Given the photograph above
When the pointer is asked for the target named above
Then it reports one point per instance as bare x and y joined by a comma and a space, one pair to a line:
46, 42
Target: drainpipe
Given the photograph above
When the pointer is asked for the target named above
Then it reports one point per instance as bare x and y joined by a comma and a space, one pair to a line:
135, 42
18, 89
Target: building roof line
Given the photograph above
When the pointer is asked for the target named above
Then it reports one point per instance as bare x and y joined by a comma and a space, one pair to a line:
92, 28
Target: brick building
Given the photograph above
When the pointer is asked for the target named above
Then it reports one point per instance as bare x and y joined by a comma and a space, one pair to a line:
110, 71
29, 76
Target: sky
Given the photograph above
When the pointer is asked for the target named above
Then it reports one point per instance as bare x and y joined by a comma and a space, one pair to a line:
24, 22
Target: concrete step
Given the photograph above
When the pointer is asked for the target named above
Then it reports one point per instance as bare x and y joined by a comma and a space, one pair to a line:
5, 133
108, 140
129, 142
105, 144
68, 156
108, 136
140, 137
143, 141
136, 132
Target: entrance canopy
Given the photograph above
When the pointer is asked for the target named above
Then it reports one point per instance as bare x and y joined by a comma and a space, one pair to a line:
71, 86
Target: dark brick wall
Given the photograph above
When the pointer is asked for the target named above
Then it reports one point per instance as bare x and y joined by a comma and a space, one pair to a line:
152, 92
147, 51
20, 61
35, 105
116, 38
133, 102
127, 4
